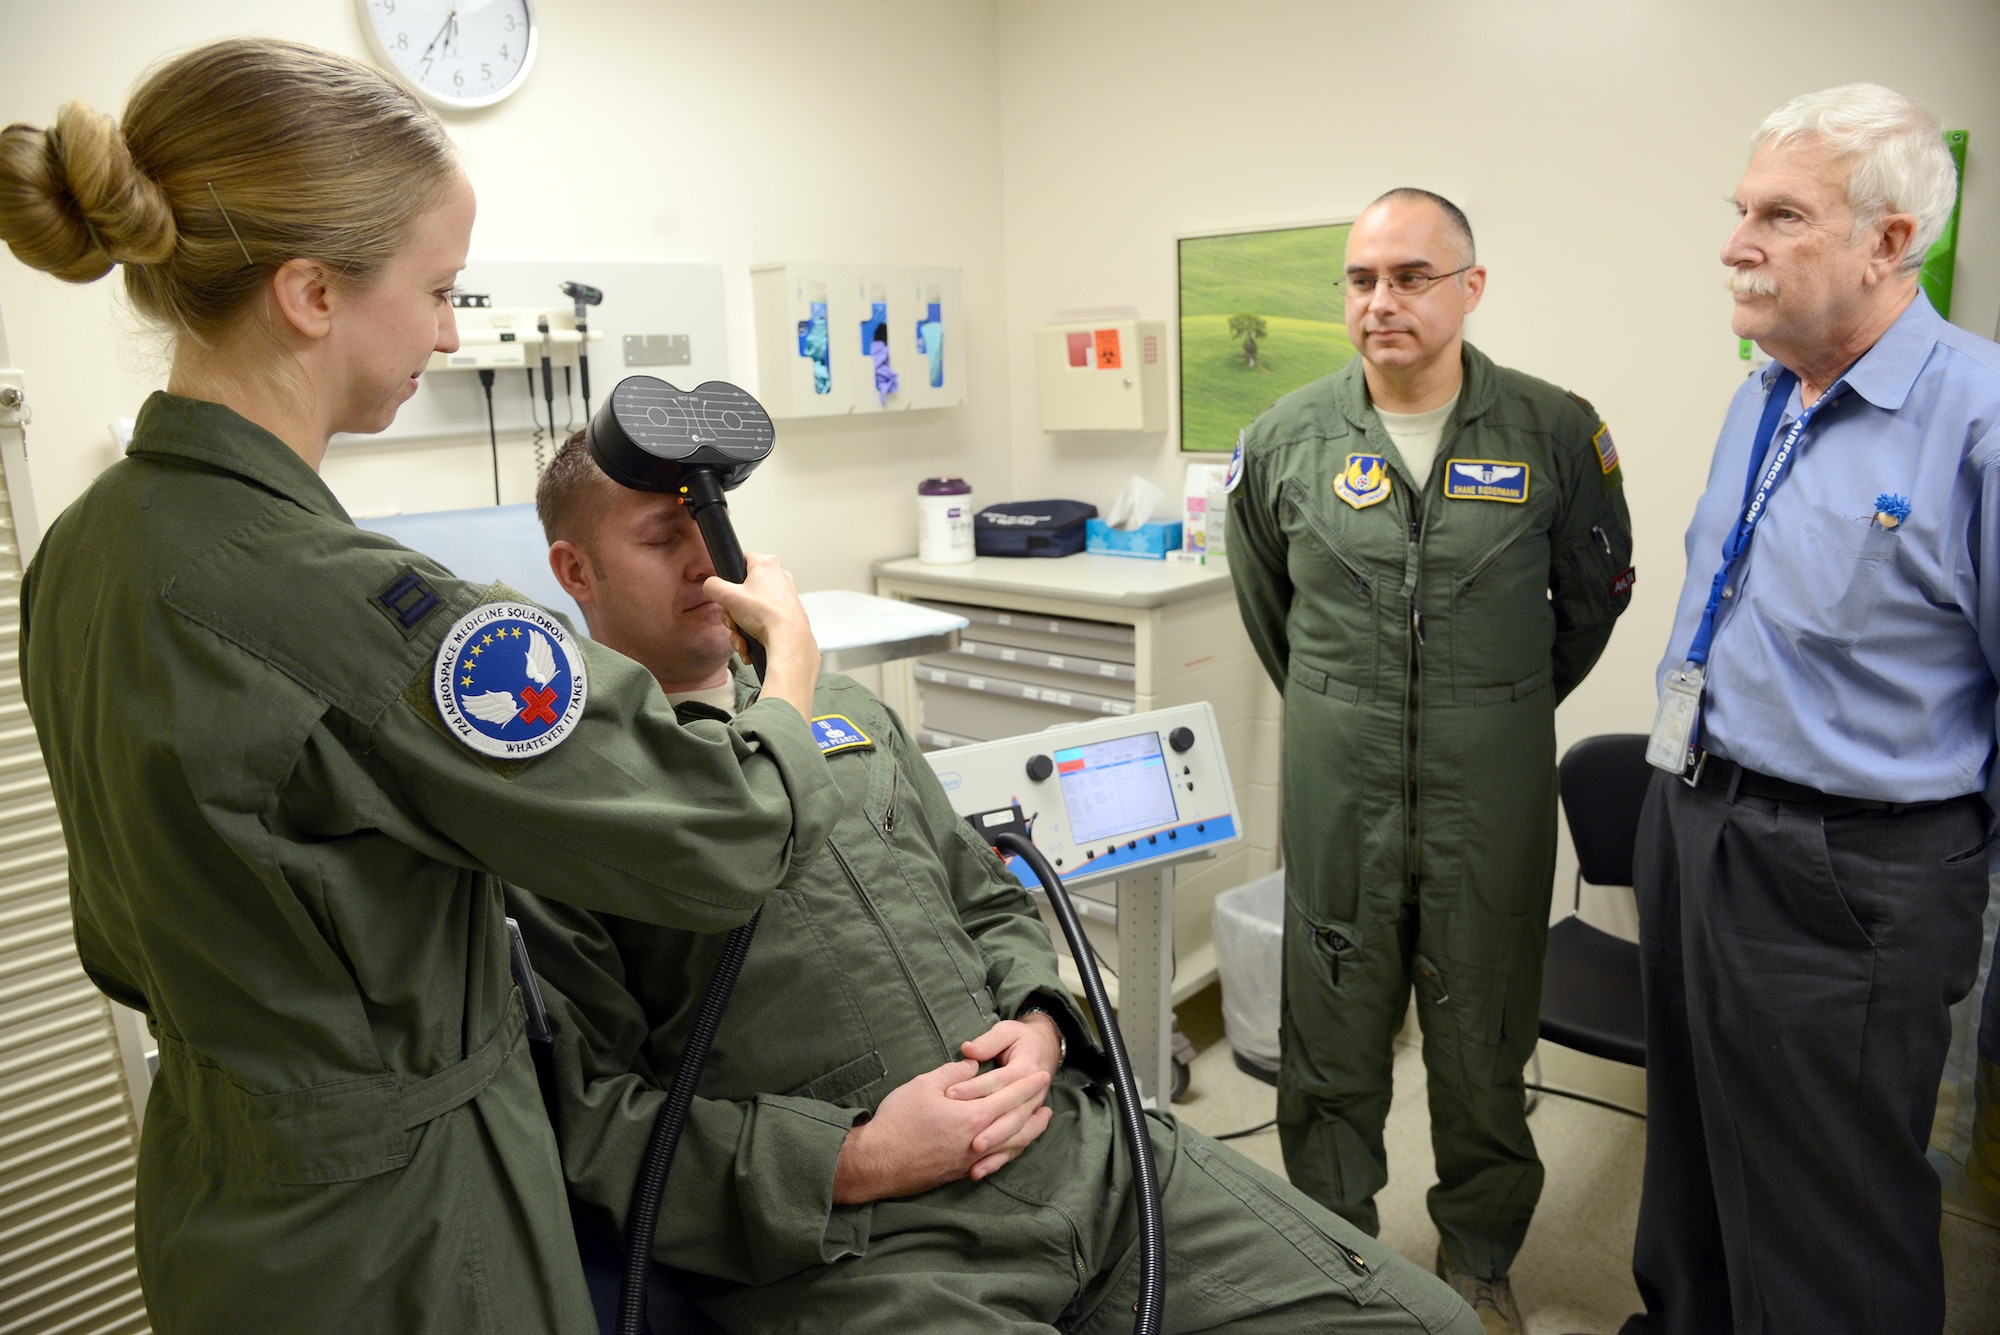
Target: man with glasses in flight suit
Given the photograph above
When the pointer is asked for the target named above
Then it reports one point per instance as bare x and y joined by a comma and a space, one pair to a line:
1429, 552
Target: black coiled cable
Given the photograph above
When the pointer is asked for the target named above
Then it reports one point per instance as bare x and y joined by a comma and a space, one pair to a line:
644, 1216
1131, 1116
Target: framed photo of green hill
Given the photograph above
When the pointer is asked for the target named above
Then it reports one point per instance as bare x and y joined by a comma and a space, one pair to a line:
1260, 316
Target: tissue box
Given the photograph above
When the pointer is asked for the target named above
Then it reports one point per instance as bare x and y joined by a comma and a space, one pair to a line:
1152, 541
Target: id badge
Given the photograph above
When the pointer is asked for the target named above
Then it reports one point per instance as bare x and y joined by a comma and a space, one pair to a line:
1673, 726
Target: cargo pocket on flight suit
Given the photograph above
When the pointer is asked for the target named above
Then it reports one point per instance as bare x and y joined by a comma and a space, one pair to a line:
1311, 1001
1333, 1259
1458, 1009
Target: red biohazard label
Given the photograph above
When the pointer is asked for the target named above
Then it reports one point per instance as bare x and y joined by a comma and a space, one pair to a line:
1626, 578
1107, 349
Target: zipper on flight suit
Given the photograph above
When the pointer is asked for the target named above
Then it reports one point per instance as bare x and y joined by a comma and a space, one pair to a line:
1338, 944
1410, 702
895, 946
1419, 505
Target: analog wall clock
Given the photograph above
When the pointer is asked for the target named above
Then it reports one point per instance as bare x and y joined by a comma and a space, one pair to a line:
459, 54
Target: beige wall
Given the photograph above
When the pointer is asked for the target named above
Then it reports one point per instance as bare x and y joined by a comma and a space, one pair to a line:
1594, 143
756, 130
1054, 150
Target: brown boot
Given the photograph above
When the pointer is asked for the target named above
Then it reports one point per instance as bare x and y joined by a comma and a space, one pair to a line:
1491, 1300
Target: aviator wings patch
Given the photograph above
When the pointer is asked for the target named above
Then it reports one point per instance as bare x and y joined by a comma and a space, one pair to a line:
1486, 480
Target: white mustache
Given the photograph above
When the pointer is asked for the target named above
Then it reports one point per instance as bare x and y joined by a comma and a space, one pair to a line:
1750, 282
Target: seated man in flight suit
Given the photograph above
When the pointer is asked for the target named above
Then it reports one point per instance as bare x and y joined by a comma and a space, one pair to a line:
900, 1125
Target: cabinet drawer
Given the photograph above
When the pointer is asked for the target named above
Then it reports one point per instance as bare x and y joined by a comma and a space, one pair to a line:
983, 716
1083, 702
1113, 640
1101, 671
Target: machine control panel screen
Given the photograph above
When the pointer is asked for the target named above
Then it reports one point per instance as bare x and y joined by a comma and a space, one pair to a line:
1115, 787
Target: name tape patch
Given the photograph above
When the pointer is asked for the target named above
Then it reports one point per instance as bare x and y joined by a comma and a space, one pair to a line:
1622, 583
509, 681
837, 732
1486, 480
1364, 481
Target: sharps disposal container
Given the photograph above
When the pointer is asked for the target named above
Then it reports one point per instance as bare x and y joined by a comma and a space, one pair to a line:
944, 521
1249, 954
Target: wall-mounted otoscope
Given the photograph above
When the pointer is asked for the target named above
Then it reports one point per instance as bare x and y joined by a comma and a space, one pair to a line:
696, 444
585, 296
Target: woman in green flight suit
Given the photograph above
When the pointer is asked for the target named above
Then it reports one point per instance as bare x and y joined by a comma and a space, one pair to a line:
285, 838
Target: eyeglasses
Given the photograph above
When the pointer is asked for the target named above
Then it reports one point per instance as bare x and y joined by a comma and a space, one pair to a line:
1404, 282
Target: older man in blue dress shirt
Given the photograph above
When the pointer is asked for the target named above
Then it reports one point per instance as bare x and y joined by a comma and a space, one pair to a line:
1811, 874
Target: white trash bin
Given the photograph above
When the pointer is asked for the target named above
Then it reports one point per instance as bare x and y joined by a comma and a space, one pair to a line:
1249, 955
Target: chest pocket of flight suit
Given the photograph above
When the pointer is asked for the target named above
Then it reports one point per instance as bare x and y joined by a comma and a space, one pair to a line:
1337, 580
1497, 625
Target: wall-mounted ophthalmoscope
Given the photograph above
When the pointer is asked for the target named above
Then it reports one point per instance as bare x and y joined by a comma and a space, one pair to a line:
585, 296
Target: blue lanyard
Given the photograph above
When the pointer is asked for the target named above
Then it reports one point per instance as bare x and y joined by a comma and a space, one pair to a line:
1764, 477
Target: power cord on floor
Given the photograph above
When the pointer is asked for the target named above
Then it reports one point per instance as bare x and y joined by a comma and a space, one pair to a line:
1585, 1098
1247, 1131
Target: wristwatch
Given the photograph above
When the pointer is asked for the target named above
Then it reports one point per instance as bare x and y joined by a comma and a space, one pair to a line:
1062, 1043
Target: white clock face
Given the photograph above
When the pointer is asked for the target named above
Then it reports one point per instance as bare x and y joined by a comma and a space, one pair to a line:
457, 53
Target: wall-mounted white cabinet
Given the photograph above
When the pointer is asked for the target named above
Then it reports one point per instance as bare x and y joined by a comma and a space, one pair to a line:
1108, 375
819, 327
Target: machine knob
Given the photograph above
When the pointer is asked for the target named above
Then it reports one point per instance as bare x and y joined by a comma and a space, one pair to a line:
1181, 739
1040, 767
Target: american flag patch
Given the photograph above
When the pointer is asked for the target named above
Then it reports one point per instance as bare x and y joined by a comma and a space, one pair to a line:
1607, 453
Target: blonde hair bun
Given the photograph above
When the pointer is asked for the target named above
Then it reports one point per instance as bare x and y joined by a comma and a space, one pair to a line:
73, 202
230, 160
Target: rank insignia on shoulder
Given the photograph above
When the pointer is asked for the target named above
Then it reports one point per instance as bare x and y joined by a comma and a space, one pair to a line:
408, 599
1486, 480
1607, 453
509, 681
1364, 482
836, 733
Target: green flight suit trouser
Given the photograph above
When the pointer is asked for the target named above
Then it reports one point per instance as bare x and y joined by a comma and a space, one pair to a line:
1246, 1253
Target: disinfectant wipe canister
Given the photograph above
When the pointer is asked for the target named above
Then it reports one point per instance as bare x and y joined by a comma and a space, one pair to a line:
944, 521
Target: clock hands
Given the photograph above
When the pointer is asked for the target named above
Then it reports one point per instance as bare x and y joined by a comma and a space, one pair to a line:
444, 34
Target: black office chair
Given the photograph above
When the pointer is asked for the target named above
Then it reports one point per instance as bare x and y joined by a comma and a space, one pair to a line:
1590, 978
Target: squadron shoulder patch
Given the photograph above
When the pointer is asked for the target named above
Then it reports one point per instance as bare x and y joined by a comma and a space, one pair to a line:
1364, 482
509, 681
1486, 480
836, 733
1233, 477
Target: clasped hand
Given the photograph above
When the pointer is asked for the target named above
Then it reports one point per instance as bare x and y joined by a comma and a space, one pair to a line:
953, 1122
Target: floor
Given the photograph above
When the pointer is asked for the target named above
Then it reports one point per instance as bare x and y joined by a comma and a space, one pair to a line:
1573, 1273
